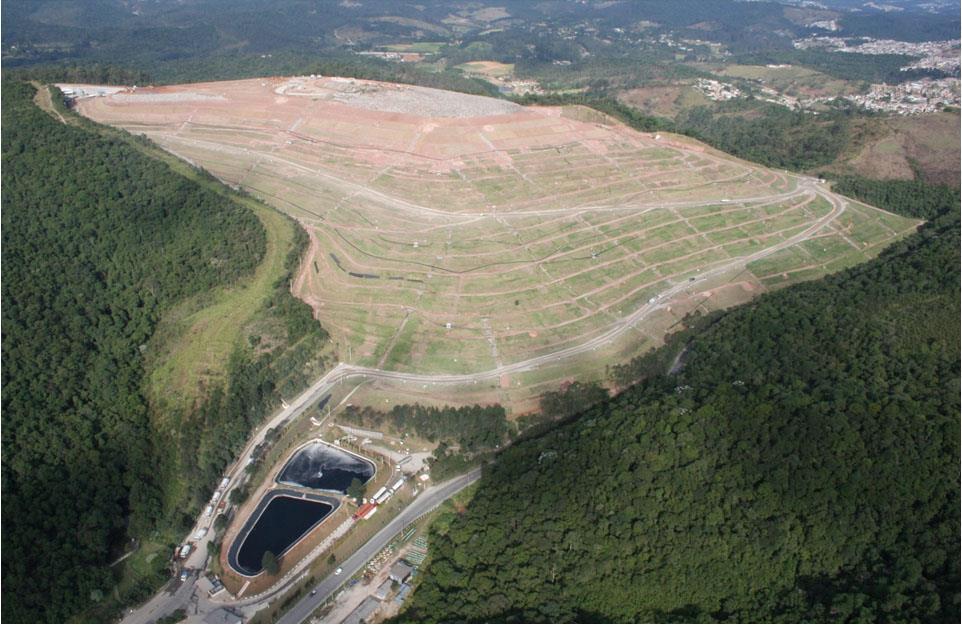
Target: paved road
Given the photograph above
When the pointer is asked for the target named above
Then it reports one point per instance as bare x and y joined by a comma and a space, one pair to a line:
427, 501
165, 601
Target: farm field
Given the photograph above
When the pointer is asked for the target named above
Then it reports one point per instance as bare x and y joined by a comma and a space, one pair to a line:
454, 234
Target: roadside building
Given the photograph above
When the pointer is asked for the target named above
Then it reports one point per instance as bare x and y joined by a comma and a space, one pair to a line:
401, 571
402, 593
364, 612
383, 590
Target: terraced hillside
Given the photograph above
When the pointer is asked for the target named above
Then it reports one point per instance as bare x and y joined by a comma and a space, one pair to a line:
455, 234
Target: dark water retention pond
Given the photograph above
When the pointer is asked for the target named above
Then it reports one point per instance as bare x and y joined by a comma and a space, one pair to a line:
323, 467
280, 520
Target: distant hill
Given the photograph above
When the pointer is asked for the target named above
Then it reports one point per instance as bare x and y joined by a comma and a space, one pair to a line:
159, 35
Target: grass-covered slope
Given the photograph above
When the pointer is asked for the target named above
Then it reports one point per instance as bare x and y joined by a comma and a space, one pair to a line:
98, 242
803, 466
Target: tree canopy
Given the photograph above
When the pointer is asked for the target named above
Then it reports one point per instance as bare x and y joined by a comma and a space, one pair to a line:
98, 241
269, 563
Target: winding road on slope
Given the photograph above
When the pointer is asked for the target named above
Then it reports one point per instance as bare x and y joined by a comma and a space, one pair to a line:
171, 599
352, 188
344, 371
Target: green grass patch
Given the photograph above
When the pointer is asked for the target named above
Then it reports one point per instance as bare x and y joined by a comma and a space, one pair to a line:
424, 47
198, 336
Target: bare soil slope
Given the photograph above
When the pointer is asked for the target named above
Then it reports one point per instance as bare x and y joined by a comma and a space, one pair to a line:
456, 234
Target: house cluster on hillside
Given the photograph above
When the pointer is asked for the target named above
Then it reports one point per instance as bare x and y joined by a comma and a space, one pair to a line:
938, 55
911, 98
716, 90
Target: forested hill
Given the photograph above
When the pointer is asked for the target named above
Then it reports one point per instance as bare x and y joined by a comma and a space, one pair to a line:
98, 242
804, 466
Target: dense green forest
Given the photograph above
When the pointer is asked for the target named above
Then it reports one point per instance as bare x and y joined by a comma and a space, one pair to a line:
767, 133
98, 242
101, 241
757, 131
802, 466
848, 66
906, 197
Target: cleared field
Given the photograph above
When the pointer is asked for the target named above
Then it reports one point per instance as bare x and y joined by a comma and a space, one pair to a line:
491, 69
664, 101
924, 146
793, 80
454, 234
427, 47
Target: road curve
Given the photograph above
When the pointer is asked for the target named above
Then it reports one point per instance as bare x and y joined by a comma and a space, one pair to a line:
426, 501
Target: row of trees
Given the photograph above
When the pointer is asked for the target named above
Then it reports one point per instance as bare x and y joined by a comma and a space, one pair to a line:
802, 466
472, 428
